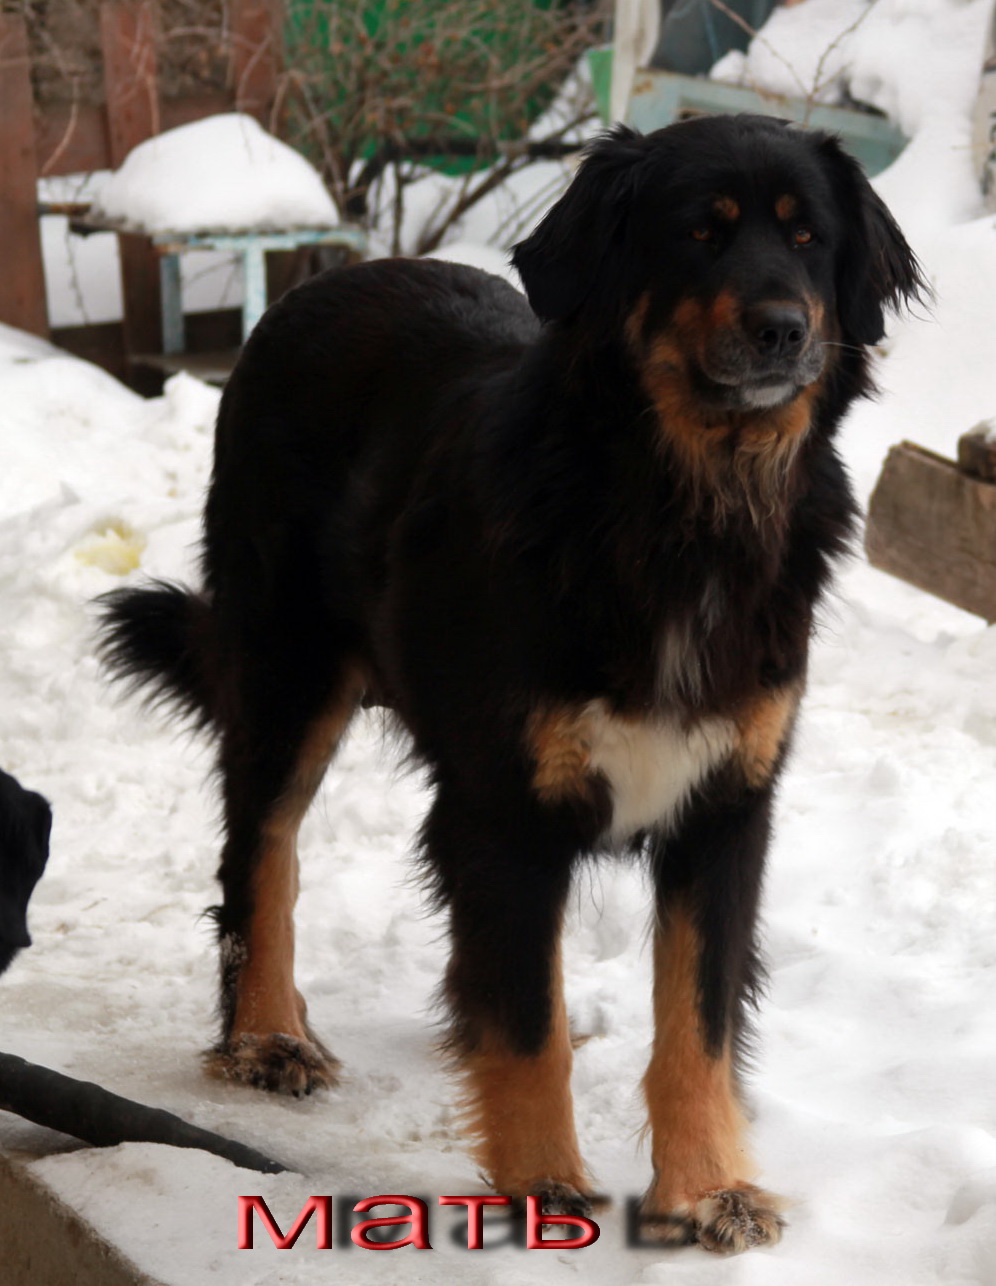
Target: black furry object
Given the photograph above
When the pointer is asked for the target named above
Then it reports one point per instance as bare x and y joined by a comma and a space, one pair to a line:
575, 542
25, 826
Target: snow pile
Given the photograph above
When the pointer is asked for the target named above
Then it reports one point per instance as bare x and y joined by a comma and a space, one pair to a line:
879, 52
798, 58
220, 174
69, 429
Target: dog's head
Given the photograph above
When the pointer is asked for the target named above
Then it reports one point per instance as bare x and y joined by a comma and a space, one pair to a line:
734, 253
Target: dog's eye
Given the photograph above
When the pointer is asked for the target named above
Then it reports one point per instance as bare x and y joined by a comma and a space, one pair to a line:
702, 234
803, 236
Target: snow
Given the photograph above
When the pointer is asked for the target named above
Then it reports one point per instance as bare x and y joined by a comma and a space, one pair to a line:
223, 173
872, 1098
908, 58
83, 273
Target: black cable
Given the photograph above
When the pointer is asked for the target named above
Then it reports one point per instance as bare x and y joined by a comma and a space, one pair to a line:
103, 1119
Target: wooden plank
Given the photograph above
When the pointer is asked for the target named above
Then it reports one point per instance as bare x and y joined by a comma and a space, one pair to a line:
257, 56
934, 526
103, 343
22, 281
977, 452
74, 139
212, 368
128, 41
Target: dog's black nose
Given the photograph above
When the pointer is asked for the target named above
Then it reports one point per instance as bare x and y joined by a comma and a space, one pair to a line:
778, 330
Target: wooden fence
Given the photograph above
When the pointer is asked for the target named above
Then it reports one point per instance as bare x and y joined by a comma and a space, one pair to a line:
42, 140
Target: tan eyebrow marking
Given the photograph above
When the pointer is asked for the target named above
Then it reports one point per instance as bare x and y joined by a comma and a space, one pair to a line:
786, 207
727, 208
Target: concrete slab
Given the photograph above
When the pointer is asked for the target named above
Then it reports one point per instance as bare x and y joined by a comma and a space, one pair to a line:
42, 1241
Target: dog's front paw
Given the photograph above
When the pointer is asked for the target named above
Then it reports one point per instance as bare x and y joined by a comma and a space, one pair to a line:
277, 1062
561, 1199
733, 1219
726, 1220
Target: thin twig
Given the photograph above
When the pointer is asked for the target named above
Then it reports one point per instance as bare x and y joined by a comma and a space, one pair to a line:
756, 35
67, 135
818, 84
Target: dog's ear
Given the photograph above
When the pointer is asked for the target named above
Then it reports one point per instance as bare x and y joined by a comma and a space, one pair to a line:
564, 258
876, 267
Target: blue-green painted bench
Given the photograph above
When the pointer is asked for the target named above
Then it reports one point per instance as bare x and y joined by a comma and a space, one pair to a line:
660, 97
252, 248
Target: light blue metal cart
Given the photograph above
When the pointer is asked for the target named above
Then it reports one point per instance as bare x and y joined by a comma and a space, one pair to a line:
251, 247
660, 97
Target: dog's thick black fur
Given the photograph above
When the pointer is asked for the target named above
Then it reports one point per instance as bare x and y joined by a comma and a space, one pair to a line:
25, 825
576, 546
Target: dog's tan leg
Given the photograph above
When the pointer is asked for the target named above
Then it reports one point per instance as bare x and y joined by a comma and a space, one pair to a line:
270, 1044
267, 1041
520, 1112
702, 1170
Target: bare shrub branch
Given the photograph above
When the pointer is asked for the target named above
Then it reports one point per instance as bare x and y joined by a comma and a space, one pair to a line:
451, 84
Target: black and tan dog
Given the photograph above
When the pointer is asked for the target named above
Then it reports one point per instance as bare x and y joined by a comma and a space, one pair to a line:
576, 547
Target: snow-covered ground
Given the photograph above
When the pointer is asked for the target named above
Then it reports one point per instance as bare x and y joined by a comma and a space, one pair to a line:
875, 1109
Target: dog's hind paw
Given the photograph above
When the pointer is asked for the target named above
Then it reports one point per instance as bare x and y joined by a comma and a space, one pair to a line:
725, 1221
278, 1062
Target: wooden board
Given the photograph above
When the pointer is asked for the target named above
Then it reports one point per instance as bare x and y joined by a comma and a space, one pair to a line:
257, 55
22, 280
71, 139
128, 41
212, 368
977, 453
934, 526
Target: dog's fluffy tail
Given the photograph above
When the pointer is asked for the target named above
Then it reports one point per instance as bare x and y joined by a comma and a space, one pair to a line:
158, 638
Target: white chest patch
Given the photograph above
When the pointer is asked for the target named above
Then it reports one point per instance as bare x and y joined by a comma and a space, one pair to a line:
652, 765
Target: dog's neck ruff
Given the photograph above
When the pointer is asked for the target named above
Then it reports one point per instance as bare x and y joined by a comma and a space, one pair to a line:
731, 462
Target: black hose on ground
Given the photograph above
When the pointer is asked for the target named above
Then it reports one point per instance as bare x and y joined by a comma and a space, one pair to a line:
95, 1115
